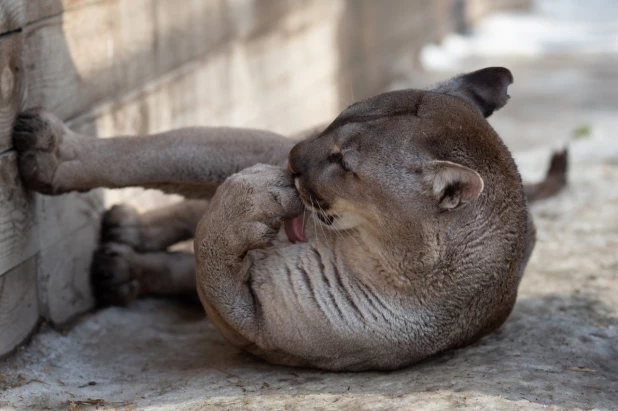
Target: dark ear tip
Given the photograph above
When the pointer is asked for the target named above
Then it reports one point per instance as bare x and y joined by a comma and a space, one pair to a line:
499, 74
486, 88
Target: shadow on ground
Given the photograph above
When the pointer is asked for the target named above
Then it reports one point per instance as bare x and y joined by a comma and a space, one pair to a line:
555, 350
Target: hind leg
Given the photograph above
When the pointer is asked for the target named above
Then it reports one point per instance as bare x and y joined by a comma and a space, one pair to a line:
155, 230
120, 274
132, 261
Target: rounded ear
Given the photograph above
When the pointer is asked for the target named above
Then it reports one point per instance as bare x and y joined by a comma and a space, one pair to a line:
485, 88
452, 185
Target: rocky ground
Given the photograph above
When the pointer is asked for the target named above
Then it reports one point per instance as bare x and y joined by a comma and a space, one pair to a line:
559, 349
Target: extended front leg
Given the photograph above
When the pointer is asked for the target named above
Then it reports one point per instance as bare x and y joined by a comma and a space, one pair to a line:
245, 214
191, 161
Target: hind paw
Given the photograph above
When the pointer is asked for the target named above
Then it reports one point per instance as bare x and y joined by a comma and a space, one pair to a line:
114, 281
121, 224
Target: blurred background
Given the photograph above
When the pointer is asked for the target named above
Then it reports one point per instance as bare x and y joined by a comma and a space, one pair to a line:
111, 67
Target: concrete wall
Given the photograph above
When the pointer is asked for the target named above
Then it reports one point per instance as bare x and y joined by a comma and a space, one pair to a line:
113, 67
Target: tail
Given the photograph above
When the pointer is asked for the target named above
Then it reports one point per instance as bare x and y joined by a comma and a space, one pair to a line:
555, 179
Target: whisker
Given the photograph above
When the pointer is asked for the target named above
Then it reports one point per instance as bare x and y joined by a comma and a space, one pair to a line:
320, 224
333, 228
315, 228
351, 236
338, 232
356, 240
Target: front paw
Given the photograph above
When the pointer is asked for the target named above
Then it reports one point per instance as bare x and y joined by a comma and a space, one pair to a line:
271, 190
37, 135
251, 205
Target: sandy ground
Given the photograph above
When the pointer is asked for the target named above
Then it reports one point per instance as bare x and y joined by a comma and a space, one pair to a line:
558, 350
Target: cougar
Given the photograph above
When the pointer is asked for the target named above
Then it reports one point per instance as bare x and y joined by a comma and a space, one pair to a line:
399, 231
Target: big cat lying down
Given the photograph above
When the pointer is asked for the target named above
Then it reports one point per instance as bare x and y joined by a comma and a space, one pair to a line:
399, 231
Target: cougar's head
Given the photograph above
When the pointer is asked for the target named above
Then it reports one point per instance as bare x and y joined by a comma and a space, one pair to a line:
405, 156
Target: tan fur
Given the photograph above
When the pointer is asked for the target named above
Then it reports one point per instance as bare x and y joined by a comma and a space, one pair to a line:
417, 240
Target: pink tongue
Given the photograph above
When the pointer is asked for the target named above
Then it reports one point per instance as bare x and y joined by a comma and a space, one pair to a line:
295, 229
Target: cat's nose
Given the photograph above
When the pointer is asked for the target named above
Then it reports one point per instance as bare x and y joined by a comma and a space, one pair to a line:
295, 163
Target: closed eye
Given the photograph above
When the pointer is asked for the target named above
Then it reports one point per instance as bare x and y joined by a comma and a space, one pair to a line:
338, 159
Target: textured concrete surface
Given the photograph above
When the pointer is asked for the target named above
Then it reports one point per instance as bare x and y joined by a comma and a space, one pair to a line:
558, 350
19, 309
